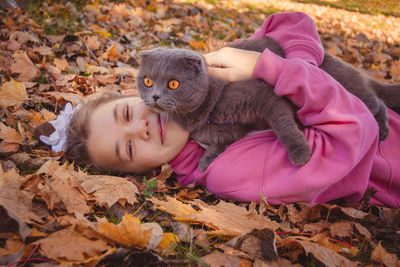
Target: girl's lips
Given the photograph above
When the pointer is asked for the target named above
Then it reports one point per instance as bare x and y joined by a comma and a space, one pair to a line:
161, 128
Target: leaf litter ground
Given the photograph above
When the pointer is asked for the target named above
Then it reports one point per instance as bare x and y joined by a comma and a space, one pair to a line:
54, 53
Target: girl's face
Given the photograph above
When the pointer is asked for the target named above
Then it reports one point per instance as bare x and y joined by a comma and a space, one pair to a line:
127, 136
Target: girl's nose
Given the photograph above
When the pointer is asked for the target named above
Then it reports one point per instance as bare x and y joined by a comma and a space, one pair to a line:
139, 129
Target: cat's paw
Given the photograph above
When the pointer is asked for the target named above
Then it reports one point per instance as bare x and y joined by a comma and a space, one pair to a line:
382, 119
383, 132
300, 154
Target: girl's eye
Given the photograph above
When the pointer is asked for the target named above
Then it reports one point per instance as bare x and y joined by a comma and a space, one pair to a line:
130, 149
173, 84
127, 113
148, 82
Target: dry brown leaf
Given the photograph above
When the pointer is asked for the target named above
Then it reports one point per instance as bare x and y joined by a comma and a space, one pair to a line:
297, 213
225, 218
380, 255
109, 190
362, 230
24, 67
11, 139
166, 171
38, 118
22, 37
61, 63
341, 229
17, 202
218, 259
12, 93
61, 190
8, 147
320, 252
12, 246
95, 69
129, 232
353, 212
125, 71
106, 79
68, 246
93, 42
44, 51
70, 97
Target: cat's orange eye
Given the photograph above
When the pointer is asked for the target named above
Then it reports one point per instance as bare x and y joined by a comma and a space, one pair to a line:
148, 82
173, 84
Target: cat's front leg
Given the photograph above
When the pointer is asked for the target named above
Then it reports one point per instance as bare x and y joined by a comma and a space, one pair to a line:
212, 152
283, 122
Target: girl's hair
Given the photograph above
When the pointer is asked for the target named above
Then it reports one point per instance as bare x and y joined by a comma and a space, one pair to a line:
78, 130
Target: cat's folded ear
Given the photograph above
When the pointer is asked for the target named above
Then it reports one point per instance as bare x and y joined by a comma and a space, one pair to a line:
192, 62
145, 53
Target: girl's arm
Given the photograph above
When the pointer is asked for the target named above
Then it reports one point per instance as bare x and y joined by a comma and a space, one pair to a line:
297, 34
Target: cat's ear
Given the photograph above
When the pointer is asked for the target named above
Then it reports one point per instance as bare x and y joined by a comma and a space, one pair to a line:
145, 54
193, 63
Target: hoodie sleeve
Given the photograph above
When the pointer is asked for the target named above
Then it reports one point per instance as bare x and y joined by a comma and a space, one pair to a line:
297, 34
341, 131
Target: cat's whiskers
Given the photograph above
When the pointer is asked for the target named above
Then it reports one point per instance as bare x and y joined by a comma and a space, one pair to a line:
177, 111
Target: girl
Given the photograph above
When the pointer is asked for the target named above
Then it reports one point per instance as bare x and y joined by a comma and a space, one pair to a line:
120, 133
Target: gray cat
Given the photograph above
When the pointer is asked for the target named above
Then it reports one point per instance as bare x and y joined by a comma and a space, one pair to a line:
217, 113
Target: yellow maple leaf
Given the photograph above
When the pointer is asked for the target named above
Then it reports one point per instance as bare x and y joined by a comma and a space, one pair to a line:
12, 93
129, 232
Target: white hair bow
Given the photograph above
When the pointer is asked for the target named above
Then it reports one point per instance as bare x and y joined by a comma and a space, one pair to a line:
58, 138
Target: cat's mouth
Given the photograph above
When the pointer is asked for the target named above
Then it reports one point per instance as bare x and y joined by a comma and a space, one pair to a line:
161, 128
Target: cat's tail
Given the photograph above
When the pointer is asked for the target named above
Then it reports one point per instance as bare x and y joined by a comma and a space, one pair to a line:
389, 93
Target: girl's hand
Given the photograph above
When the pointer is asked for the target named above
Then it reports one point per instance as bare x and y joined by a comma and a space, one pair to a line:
232, 64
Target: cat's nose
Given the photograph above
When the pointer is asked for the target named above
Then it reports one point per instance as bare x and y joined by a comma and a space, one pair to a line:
155, 97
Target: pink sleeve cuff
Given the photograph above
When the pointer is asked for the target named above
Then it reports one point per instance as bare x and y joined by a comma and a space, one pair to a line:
269, 67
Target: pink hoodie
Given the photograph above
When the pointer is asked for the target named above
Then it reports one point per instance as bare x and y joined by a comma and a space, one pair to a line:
347, 157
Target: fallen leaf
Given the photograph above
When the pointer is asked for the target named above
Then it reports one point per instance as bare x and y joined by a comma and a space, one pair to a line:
259, 244
24, 67
11, 138
321, 253
68, 246
38, 118
18, 203
61, 189
129, 232
12, 93
218, 259
341, 229
225, 218
12, 246
107, 190
22, 37
381, 255
167, 241
61, 63
96, 69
